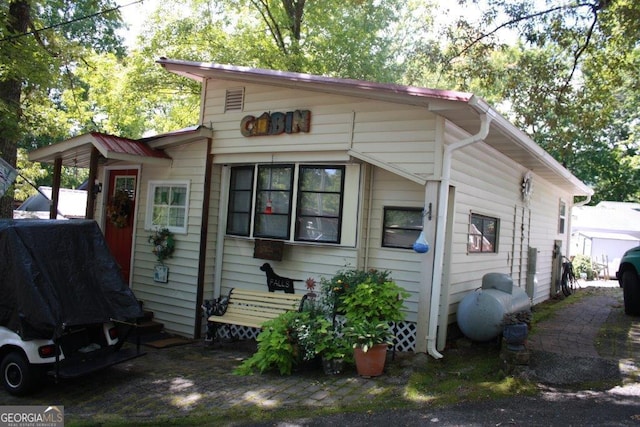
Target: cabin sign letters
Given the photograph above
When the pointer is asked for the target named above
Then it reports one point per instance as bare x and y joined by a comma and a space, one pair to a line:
276, 123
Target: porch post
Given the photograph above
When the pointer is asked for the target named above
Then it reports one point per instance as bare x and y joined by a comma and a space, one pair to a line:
93, 172
55, 190
204, 231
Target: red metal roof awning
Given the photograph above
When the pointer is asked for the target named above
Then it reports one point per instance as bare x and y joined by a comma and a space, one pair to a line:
77, 151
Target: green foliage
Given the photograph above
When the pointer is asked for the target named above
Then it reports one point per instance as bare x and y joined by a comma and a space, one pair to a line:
277, 349
318, 336
374, 302
568, 79
583, 264
365, 334
37, 67
345, 281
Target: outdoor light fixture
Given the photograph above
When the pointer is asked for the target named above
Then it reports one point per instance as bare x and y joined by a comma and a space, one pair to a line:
97, 187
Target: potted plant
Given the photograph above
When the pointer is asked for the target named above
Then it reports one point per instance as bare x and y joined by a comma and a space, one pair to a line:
370, 340
370, 302
319, 337
515, 329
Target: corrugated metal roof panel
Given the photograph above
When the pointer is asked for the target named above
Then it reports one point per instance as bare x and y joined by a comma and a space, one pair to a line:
115, 144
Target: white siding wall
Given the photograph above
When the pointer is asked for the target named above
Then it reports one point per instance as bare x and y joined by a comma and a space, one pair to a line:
488, 183
404, 264
545, 204
399, 135
300, 261
172, 303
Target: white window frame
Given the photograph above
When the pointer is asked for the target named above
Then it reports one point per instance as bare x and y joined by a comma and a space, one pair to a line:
562, 216
149, 225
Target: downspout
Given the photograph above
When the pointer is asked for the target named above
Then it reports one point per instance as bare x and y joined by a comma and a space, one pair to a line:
441, 226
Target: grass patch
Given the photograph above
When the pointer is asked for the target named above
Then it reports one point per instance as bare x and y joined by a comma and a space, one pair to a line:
547, 309
466, 374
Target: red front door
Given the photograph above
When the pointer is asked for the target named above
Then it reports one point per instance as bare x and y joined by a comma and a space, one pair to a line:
121, 203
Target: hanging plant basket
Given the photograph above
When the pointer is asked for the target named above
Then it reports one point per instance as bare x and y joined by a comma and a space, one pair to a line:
163, 244
119, 209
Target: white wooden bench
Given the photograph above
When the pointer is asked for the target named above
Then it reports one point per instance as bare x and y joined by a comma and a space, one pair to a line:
253, 308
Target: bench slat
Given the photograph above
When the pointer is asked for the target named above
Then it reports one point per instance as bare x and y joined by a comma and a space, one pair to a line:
253, 308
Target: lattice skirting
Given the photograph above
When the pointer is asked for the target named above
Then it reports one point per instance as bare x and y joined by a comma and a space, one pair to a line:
405, 333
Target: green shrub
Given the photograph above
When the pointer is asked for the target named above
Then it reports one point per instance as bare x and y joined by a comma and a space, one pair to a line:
583, 264
344, 282
277, 349
374, 302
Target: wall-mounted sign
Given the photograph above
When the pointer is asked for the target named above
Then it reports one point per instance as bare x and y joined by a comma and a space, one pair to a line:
276, 123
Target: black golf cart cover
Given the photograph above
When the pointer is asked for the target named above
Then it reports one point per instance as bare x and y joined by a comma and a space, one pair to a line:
56, 274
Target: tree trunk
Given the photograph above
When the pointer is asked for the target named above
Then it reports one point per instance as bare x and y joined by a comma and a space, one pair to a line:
10, 93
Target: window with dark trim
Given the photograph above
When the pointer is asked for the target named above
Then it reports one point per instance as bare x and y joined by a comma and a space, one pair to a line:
319, 203
483, 234
240, 201
261, 202
401, 227
273, 201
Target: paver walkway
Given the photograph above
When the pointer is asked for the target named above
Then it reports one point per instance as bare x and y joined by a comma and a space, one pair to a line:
196, 380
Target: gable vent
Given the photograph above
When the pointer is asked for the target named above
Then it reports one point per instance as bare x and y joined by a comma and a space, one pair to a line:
234, 100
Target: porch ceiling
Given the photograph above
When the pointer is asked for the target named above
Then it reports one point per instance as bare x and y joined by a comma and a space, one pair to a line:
77, 151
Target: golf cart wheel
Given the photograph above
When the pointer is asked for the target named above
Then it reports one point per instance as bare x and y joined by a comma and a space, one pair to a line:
18, 376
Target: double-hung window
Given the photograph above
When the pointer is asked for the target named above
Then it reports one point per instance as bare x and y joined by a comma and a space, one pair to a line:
167, 205
240, 201
273, 201
320, 190
562, 216
483, 234
264, 198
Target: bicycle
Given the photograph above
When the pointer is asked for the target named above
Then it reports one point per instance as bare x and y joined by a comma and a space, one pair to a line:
568, 282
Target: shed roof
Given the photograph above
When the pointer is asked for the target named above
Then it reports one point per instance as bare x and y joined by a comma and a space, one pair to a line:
461, 108
607, 217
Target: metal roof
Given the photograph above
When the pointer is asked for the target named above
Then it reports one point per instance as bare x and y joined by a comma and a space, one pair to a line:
77, 151
461, 108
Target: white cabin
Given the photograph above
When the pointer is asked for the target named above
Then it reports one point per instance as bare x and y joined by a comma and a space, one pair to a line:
339, 173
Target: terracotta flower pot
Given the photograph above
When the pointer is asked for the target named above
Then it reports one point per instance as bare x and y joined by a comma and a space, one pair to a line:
371, 363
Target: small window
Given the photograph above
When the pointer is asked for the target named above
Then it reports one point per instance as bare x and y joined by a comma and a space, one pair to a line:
167, 205
562, 216
320, 190
273, 201
240, 201
126, 183
483, 234
401, 227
